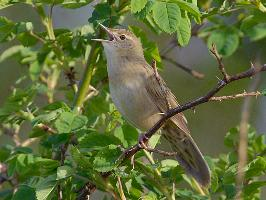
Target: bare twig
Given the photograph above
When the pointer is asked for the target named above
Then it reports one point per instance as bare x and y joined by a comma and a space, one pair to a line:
243, 138
236, 96
190, 71
220, 63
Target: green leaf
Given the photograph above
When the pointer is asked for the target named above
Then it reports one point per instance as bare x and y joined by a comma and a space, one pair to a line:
47, 117
184, 31
95, 141
189, 7
226, 40
4, 153
127, 135
57, 105
253, 188
166, 15
107, 159
230, 191
22, 27
81, 160
45, 188
24, 192
35, 70
145, 11
54, 2
188, 194
6, 29
151, 50
69, 122
149, 196
102, 14
137, 5
37, 131
64, 172
231, 138
256, 167
73, 4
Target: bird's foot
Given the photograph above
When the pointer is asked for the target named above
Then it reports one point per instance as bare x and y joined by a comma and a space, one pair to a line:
142, 141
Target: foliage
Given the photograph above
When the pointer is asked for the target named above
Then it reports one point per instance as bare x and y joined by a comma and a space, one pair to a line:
81, 138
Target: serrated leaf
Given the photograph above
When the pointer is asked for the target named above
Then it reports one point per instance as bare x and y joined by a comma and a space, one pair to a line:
166, 15
189, 7
64, 172
81, 160
137, 5
184, 31
107, 159
95, 141
68, 122
145, 11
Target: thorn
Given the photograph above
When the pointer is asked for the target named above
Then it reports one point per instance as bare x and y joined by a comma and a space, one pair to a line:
218, 78
252, 65
132, 161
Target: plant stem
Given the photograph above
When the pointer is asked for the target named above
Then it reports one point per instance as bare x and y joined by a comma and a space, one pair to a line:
158, 177
86, 79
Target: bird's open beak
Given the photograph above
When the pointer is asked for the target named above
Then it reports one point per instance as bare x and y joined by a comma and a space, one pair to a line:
111, 36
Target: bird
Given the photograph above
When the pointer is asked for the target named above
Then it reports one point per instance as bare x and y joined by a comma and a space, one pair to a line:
142, 97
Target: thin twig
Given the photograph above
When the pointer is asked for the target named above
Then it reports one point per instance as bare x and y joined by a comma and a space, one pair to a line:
190, 71
120, 187
236, 96
243, 138
219, 59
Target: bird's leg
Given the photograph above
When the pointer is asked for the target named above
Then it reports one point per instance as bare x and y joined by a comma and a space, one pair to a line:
142, 141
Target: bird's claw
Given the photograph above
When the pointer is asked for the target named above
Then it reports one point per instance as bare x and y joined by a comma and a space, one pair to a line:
142, 141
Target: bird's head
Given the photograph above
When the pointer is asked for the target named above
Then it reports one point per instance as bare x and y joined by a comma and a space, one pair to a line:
120, 41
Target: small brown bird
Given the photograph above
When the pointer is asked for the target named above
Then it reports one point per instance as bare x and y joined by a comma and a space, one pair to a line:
142, 96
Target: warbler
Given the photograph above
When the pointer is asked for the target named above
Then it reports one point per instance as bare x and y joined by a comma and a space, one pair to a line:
142, 97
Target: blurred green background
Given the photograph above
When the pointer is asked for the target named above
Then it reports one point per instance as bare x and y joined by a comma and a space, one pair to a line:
210, 122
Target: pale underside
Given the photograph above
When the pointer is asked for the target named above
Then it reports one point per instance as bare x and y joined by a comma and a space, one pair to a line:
142, 98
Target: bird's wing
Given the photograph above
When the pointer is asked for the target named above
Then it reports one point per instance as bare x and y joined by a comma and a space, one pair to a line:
176, 131
164, 98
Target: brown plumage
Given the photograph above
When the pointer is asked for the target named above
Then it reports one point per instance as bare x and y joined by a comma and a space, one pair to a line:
141, 96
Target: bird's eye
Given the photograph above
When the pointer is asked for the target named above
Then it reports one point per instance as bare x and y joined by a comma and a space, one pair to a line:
122, 37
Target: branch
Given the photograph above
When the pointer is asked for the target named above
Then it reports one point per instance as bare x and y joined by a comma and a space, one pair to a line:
214, 51
236, 96
190, 71
200, 100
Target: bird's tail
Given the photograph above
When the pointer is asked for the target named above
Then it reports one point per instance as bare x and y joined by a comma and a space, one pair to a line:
188, 154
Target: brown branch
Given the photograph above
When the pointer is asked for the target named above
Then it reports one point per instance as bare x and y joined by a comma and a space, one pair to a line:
236, 96
220, 63
200, 100
190, 71
243, 139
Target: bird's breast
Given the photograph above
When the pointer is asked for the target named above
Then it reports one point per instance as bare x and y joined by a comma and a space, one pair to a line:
128, 92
